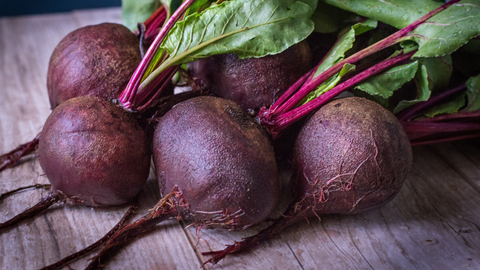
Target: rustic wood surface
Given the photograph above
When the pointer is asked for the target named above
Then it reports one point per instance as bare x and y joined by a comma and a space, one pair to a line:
434, 223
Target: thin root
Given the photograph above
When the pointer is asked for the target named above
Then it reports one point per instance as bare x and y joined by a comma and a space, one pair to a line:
12, 192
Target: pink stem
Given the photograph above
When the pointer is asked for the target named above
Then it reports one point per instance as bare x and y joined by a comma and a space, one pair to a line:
128, 95
286, 95
453, 117
164, 83
279, 123
432, 127
154, 23
382, 44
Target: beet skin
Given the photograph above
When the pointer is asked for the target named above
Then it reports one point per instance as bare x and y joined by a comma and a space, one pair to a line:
253, 82
221, 161
96, 60
93, 150
352, 155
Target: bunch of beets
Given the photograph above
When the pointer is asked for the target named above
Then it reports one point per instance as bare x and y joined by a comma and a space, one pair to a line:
215, 149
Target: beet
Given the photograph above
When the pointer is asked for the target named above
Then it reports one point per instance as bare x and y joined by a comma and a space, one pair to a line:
94, 151
96, 60
221, 161
252, 82
351, 156
215, 167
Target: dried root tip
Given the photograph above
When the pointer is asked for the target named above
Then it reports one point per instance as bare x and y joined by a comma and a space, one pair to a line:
12, 192
11, 158
222, 219
249, 242
164, 209
64, 262
51, 198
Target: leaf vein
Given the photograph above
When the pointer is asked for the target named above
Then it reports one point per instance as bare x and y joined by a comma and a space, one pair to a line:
249, 16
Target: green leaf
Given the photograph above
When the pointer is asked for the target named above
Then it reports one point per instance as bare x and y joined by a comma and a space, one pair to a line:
312, 4
243, 27
397, 13
337, 54
380, 88
424, 92
473, 93
447, 31
329, 19
387, 82
172, 5
439, 70
442, 34
345, 43
452, 106
137, 11
198, 6
469, 101
327, 85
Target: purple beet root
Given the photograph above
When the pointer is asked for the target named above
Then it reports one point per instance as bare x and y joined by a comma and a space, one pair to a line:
215, 167
351, 156
96, 60
93, 151
221, 161
253, 82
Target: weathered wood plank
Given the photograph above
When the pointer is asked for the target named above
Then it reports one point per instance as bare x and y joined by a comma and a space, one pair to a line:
434, 223
96, 16
431, 224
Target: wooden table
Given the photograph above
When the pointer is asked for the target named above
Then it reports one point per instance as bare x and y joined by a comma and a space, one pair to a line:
434, 223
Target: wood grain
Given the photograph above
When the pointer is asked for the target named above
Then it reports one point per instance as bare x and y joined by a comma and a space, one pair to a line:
434, 223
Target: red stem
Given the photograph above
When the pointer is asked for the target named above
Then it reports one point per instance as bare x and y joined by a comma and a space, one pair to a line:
128, 95
161, 82
291, 90
380, 45
277, 124
451, 137
154, 23
442, 128
305, 78
153, 19
453, 117
429, 128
